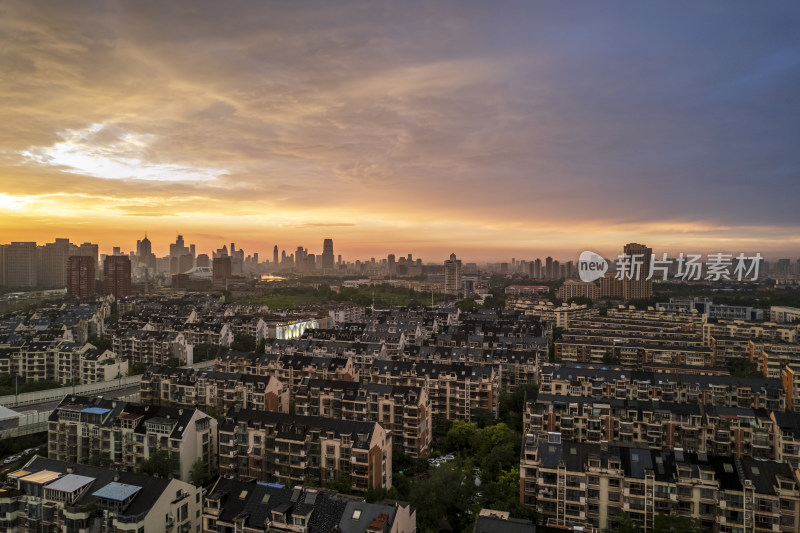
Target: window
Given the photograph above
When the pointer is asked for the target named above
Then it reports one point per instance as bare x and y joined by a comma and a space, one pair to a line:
356, 514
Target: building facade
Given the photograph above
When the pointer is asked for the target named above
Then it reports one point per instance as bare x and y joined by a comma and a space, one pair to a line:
117, 276
586, 485
124, 434
404, 411
54, 495
289, 449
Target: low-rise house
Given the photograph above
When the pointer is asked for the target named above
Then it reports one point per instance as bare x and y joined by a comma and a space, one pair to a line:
53, 495
251, 507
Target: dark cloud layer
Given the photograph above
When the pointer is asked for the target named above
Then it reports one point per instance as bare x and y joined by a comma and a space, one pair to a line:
502, 114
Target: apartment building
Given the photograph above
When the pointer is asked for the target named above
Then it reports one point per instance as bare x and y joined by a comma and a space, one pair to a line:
560, 316
579, 289
456, 391
151, 347
783, 314
84, 428
630, 353
787, 437
513, 367
288, 368
771, 357
766, 331
586, 485
53, 495
403, 411
790, 377
290, 449
719, 390
332, 343
343, 314
99, 365
733, 431
251, 507
186, 387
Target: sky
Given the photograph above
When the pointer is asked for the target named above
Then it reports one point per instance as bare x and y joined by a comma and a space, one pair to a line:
490, 129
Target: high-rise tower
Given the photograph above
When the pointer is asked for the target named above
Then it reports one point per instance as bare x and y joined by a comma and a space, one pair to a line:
327, 255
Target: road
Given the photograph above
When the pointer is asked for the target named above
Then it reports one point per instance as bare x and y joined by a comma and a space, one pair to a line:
49, 406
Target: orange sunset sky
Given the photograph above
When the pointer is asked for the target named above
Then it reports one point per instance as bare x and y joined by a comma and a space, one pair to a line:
494, 130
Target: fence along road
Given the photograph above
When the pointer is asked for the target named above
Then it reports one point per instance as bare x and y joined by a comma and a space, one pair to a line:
50, 395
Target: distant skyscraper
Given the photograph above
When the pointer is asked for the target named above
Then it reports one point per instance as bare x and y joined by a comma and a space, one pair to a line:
178, 248
81, 276
21, 265
275, 256
52, 268
638, 287
117, 275
88, 249
391, 264
327, 255
548, 268
202, 261
300, 259
185, 263
221, 268
452, 275
144, 248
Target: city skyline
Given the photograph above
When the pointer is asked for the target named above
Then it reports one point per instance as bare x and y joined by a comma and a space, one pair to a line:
266, 252
537, 129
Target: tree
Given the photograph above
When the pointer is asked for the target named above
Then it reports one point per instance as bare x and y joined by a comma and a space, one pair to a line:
622, 523
136, 369
580, 300
173, 362
205, 352
101, 343
610, 359
467, 304
244, 343
482, 417
503, 495
198, 475
342, 484
512, 404
214, 413
459, 436
443, 495
665, 523
101, 459
162, 464
741, 367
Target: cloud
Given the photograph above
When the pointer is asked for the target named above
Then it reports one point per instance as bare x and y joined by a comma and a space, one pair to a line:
666, 116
